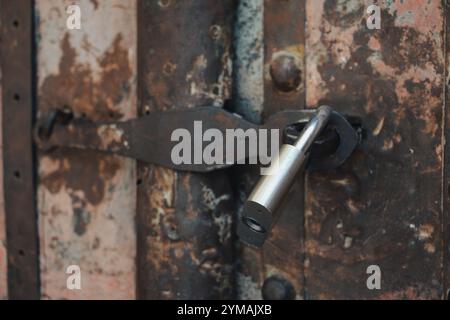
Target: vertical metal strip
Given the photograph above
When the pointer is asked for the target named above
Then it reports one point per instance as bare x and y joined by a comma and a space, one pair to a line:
184, 221
284, 38
3, 256
18, 154
248, 97
446, 159
248, 60
270, 36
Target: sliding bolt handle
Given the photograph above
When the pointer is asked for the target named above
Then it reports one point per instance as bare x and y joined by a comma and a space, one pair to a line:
260, 209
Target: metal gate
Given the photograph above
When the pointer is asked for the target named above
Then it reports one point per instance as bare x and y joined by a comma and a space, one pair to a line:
141, 231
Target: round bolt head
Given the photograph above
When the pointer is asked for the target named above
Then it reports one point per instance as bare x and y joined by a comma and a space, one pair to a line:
285, 73
278, 288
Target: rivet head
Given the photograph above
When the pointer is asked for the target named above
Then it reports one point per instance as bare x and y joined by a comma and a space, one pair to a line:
285, 73
278, 288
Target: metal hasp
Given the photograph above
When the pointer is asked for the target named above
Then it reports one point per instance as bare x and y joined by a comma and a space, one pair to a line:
260, 210
140, 138
326, 140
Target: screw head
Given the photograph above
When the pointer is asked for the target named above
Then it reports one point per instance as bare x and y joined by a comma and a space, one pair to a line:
285, 73
278, 288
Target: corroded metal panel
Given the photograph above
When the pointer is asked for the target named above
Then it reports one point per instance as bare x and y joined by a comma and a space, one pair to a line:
185, 242
383, 207
3, 268
86, 200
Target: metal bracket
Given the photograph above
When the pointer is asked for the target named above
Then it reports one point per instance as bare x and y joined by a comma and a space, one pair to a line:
148, 138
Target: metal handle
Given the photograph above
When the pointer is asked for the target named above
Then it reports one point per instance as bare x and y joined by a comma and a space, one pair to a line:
260, 208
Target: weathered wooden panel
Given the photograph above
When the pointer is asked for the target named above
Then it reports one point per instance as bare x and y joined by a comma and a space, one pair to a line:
383, 207
3, 257
87, 200
185, 242
284, 38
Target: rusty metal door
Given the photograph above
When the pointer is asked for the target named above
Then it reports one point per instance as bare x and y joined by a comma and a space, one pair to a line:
140, 231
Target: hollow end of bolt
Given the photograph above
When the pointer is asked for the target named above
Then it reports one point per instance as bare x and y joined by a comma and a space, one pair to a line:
253, 225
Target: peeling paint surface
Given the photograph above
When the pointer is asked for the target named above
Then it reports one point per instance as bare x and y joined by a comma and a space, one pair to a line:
249, 290
393, 78
189, 235
388, 205
87, 200
249, 59
185, 237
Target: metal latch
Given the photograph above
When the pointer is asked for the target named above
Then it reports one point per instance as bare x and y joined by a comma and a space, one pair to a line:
149, 138
319, 139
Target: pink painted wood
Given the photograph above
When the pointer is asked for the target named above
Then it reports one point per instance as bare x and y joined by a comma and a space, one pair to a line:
87, 200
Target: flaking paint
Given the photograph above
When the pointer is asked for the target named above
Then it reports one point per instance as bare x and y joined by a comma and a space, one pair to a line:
87, 200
